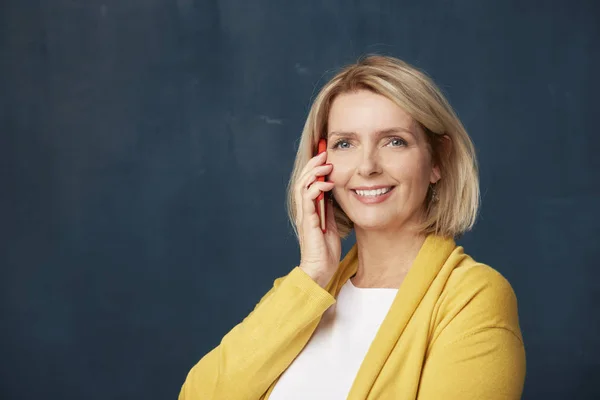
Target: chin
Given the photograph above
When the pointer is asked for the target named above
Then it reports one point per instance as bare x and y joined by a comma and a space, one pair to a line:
374, 223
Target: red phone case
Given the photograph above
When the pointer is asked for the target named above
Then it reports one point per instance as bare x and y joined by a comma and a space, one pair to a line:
320, 201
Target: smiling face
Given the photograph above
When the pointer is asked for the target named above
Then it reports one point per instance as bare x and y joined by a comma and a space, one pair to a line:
382, 165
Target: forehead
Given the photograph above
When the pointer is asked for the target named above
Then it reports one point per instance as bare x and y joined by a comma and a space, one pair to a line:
364, 111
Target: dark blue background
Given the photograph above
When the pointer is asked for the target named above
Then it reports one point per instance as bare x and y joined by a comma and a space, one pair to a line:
145, 147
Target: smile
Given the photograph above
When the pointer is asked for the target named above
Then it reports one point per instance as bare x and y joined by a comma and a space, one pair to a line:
373, 193
373, 196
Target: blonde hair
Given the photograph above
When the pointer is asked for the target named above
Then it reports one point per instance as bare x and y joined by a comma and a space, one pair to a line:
456, 208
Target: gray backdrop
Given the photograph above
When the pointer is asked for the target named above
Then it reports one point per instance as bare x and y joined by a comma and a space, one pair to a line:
145, 147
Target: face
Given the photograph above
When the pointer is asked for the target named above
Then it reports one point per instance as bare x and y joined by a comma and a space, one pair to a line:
382, 165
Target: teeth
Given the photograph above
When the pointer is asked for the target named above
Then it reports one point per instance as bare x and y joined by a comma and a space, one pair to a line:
373, 193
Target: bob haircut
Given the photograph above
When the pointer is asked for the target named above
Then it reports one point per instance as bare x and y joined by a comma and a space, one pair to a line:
455, 210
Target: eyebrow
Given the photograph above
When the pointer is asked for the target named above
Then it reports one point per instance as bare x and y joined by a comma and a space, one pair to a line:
379, 133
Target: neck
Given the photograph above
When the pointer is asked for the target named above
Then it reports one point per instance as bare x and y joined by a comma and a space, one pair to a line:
384, 258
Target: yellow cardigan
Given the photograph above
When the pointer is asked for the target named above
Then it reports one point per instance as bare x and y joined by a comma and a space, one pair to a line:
452, 332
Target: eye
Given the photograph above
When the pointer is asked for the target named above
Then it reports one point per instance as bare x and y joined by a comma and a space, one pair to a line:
341, 144
397, 142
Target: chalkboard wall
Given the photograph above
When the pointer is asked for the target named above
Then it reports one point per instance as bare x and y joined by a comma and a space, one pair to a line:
145, 148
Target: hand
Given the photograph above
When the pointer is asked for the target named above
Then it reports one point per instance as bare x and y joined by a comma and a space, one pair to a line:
319, 252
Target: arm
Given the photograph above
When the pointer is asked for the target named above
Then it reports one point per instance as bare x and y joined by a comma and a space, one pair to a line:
256, 351
478, 352
489, 364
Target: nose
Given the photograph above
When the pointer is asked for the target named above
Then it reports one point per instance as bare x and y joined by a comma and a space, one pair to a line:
369, 163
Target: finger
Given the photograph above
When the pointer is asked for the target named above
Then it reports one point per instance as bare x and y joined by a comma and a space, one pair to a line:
298, 206
312, 163
298, 193
311, 194
304, 182
310, 176
316, 160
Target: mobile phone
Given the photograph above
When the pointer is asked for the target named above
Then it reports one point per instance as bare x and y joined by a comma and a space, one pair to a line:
320, 201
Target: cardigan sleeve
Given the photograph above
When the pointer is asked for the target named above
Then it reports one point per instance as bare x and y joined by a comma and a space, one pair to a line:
477, 352
255, 352
486, 365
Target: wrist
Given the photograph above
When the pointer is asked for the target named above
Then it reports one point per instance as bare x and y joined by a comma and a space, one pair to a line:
319, 277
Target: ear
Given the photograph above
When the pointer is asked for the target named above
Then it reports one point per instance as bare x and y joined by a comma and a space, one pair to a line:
446, 148
435, 174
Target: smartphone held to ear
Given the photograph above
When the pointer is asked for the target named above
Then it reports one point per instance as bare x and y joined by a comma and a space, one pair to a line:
320, 201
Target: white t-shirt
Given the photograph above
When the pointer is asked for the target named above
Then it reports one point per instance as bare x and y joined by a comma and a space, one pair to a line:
327, 366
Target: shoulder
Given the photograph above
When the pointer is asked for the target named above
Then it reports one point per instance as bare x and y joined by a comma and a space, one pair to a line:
471, 278
477, 297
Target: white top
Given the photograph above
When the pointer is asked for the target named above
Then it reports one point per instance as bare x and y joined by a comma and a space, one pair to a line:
327, 366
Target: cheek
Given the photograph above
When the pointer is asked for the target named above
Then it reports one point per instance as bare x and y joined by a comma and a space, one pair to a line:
340, 174
419, 178
412, 177
412, 169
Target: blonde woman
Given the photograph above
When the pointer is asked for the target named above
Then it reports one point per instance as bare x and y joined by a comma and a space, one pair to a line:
406, 314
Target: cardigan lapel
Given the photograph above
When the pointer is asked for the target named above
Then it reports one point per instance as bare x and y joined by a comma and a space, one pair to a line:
428, 263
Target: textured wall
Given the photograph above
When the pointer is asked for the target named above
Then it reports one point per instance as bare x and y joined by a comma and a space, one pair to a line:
145, 147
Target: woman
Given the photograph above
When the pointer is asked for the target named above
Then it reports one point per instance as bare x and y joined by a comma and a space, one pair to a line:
406, 314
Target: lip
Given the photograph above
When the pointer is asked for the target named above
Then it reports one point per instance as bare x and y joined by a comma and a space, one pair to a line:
375, 199
372, 187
